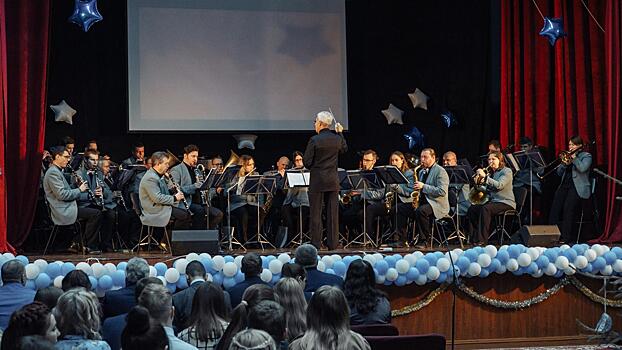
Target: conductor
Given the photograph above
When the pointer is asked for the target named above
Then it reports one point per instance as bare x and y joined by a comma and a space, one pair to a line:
321, 158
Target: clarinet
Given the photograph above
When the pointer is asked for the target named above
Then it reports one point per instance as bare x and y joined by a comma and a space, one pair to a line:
178, 189
80, 181
100, 185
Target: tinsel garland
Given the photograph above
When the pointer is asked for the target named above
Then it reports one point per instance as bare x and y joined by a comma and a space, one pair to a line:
515, 305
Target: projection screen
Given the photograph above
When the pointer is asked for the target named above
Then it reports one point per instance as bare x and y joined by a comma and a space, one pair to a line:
230, 65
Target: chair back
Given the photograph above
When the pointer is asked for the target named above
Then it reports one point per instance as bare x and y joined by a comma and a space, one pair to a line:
425, 341
376, 330
520, 196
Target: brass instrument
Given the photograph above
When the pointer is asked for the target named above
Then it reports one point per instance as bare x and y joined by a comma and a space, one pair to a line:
175, 185
199, 172
478, 194
416, 193
345, 199
234, 159
564, 157
411, 160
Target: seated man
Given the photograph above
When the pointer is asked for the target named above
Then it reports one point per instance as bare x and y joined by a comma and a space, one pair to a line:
269, 316
120, 301
251, 268
306, 255
13, 293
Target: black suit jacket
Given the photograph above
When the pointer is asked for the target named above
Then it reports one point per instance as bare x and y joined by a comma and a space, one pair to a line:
117, 302
316, 279
321, 158
237, 291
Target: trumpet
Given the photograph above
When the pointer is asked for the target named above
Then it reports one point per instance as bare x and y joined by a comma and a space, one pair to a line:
175, 185
345, 199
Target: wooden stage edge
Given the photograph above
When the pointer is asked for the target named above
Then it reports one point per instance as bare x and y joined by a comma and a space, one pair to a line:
552, 322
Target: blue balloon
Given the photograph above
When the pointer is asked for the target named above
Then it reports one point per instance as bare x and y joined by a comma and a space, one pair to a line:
161, 268
599, 263
182, 282
553, 29
228, 282
558, 274
118, 278
617, 251
579, 249
43, 280
610, 257
218, 278
122, 265
441, 278
31, 285
239, 277
85, 14
484, 273
229, 258
275, 278
397, 256
422, 265
514, 251
400, 281
571, 254
105, 282
208, 264
264, 262
471, 254
412, 274
94, 283
390, 260
588, 268
53, 270
347, 260
387, 283
463, 263
339, 267
67, 268
172, 287
22, 259
532, 268
503, 256
542, 261
382, 266
431, 258
494, 264
415, 139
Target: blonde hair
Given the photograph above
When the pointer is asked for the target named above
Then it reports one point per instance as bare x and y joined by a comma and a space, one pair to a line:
252, 339
78, 313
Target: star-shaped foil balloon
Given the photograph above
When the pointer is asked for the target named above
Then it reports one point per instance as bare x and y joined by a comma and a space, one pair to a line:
85, 14
245, 140
449, 119
393, 114
63, 112
553, 29
415, 139
419, 99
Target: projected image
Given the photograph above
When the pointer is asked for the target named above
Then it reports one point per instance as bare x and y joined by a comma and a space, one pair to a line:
235, 65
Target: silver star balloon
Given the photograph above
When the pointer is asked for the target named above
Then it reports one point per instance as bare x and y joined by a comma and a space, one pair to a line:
419, 99
63, 112
245, 140
393, 114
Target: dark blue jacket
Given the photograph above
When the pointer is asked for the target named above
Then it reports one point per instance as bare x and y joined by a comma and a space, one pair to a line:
112, 330
13, 296
316, 279
121, 301
237, 291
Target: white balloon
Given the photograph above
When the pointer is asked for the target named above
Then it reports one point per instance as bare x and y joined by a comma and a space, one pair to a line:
238, 260
266, 275
42, 264
86, 268
512, 265
418, 254
218, 262
617, 266
443, 264
32, 271
58, 282
378, 256
454, 256
152, 271
336, 257
580, 262
161, 278
524, 259
504, 247
275, 266
534, 253
380, 279
210, 278
9, 256
284, 258
192, 257
205, 256
230, 269
458, 251
402, 266
607, 271
562, 262
370, 259
411, 258
98, 270
171, 275
328, 261
110, 267
484, 260
491, 250
100, 292
180, 265
569, 271
421, 280
321, 266
564, 247
550, 270
590, 254
474, 269
433, 273
391, 274
605, 248
538, 273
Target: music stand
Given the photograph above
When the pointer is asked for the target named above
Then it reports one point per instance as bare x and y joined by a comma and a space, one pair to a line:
531, 160
391, 175
257, 185
363, 180
298, 179
207, 184
458, 175
226, 177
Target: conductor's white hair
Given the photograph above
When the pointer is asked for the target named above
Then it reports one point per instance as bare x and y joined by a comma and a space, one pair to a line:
325, 117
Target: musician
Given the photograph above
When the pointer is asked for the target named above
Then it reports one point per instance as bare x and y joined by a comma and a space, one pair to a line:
296, 200
321, 157
107, 214
244, 206
185, 174
494, 146
575, 186
158, 206
69, 144
216, 163
461, 191
523, 178
78, 159
273, 216
498, 186
138, 155
352, 213
60, 196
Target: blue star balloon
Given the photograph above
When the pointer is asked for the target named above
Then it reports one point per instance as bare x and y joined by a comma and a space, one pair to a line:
415, 139
449, 119
553, 29
85, 13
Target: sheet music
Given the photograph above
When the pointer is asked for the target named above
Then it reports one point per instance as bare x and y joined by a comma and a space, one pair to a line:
512, 162
298, 179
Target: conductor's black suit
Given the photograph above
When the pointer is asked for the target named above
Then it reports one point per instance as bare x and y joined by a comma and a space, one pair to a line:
321, 158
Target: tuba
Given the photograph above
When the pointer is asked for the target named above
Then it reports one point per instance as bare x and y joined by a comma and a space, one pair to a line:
234, 159
478, 194
415, 194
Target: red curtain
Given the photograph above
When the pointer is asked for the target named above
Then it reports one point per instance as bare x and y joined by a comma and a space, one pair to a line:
3, 108
550, 93
24, 54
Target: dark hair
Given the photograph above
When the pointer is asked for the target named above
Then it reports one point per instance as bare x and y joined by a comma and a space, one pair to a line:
89, 151
328, 318
251, 265
191, 148
268, 316
137, 144
34, 342
76, 279
359, 287
524, 140
67, 140
293, 270
208, 311
577, 140
295, 154
56, 151
252, 296
140, 333
372, 152
31, 319
499, 155
49, 296
13, 271
495, 143
195, 269
144, 282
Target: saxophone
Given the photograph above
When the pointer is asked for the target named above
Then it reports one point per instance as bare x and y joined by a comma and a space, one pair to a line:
388, 201
415, 194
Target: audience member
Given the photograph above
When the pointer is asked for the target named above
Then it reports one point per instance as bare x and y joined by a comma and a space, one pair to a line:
34, 342
140, 333
368, 305
209, 317
49, 296
76, 279
159, 301
13, 293
298, 272
251, 268
289, 294
269, 316
306, 255
120, 301
113, 326
78, 319
328, 325
32, 319
252, 339
253, 295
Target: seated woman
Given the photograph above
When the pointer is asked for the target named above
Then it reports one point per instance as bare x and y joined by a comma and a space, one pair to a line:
289, 293
31, 319
252, 339
78, 313
368, 305
209, 318
140, 333
244, 206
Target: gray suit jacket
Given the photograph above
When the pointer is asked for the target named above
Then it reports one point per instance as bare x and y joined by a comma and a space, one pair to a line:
60, 196
155, 201
499, 187
436, 189
580, 174
181, 175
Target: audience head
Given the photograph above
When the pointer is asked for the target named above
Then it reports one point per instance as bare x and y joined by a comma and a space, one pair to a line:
140, 333
143, 282
251, 265
78, 313
328, 317
76, 279
194, 270
296, 271
252, 339
34, 342
137, 268
13, 271
359, 286
269, 316
306, 255
49, 296
31, 319
159, 301
208, 311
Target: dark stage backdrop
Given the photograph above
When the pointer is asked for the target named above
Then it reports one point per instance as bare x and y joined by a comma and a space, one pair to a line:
448, 49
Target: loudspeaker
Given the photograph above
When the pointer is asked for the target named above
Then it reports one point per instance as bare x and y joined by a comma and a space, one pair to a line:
197, 241
537, 235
